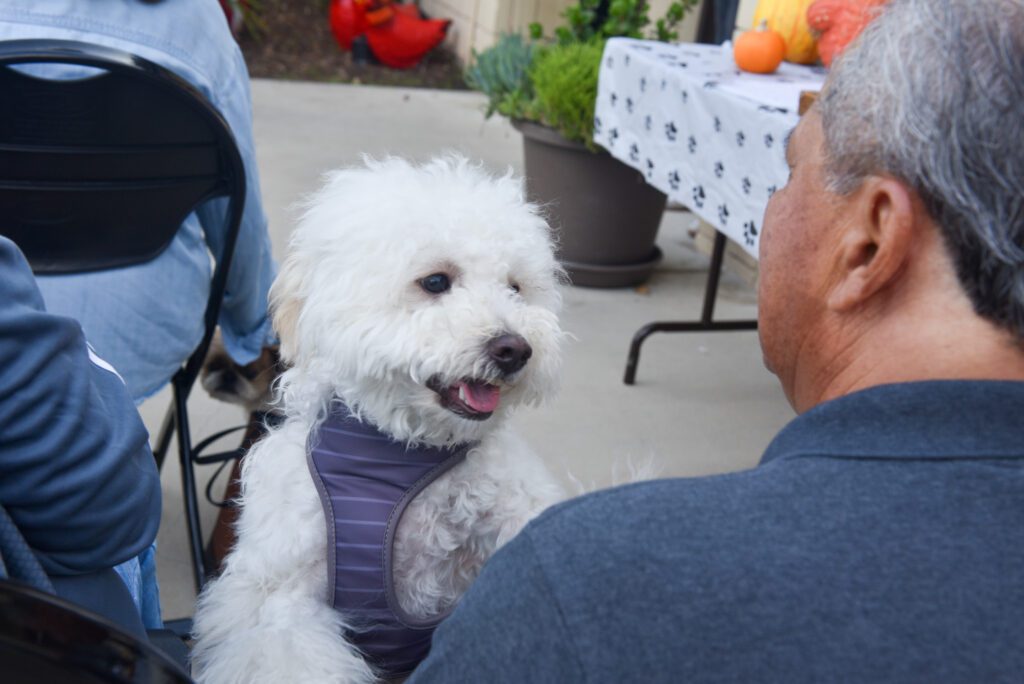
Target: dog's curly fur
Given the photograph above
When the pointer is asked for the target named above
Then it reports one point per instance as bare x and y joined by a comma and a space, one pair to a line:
357, 324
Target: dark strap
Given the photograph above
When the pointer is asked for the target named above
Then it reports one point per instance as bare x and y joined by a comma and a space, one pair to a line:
261, 421
17, 561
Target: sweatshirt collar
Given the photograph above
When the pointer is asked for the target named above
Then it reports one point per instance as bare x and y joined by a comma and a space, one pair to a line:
938, 419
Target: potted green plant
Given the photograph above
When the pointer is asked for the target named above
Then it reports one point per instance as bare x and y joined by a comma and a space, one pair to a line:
606, 215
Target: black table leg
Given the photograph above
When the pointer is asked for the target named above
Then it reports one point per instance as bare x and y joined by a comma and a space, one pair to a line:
706, 322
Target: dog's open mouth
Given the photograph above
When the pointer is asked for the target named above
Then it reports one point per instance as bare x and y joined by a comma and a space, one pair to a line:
472, 399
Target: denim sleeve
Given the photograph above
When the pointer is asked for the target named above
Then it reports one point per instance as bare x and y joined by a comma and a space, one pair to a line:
244, 320
507, 628
76, 472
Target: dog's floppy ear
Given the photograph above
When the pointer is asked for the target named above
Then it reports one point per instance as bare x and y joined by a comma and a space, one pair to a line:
286, 301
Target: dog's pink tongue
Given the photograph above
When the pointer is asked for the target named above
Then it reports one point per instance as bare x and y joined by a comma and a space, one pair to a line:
481, 397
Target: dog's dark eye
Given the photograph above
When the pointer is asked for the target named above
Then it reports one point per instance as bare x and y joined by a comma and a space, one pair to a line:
436, 283
514, 287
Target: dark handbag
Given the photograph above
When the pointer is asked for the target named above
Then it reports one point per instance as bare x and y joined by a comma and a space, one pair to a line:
44, 638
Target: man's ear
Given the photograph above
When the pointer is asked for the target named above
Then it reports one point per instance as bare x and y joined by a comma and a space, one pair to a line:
876, 243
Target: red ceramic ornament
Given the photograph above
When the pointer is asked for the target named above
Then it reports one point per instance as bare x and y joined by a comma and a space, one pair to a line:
348, 20
403, 41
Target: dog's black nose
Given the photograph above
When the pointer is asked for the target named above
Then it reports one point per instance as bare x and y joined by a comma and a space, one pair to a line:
509, 352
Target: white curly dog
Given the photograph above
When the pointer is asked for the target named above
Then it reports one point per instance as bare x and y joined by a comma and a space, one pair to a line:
423, 300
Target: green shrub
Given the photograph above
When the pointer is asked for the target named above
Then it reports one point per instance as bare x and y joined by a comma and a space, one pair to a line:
554, 82
564, 79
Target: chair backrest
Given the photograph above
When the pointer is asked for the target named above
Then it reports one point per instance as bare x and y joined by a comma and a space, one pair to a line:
100, 172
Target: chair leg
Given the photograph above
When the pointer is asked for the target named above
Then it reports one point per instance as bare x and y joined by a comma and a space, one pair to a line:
164, 438
188, 488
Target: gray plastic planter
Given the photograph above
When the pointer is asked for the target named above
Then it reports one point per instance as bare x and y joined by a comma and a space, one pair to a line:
605, 215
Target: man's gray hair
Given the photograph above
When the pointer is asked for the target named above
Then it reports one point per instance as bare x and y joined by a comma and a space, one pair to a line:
933, 94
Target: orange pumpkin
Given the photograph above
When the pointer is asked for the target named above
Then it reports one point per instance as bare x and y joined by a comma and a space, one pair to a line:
759, 51
838, 22
789, 19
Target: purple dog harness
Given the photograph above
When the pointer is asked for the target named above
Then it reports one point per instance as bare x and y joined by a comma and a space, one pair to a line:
365, 480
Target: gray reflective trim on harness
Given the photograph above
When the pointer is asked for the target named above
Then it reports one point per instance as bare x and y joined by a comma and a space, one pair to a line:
365, 481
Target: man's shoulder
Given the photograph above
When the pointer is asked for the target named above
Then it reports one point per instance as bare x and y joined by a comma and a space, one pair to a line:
701, 523
675, 502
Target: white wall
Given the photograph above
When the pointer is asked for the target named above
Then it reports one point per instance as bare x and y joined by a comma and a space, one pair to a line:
476, 24
745, 16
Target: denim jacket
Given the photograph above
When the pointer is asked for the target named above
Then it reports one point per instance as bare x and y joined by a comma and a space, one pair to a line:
146, 319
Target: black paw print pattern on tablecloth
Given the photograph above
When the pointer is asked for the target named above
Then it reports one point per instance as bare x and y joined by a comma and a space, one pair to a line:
643, 84
698, 196
686, 97
746, 185
634, 152
663, 83
769, 140
613, 135
723, 214
718, 125
626, 59
673, 180
769, 108
650, 168
610, 62
740, 138
691, 144
719, 169
647, 122
670, 131
629, 105
771, 191
614, 98
749, 233
597, 125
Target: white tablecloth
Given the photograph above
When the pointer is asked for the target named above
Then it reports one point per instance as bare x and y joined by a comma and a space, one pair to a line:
706, 134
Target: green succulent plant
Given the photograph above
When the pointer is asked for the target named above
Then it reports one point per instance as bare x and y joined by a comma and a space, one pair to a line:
501, 73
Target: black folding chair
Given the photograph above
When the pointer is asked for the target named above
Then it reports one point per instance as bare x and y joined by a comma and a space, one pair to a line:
100, 172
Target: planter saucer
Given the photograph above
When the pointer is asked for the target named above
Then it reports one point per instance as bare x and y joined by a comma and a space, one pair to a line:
619, 275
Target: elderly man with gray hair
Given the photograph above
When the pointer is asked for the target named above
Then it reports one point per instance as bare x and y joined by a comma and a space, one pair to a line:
881, 538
